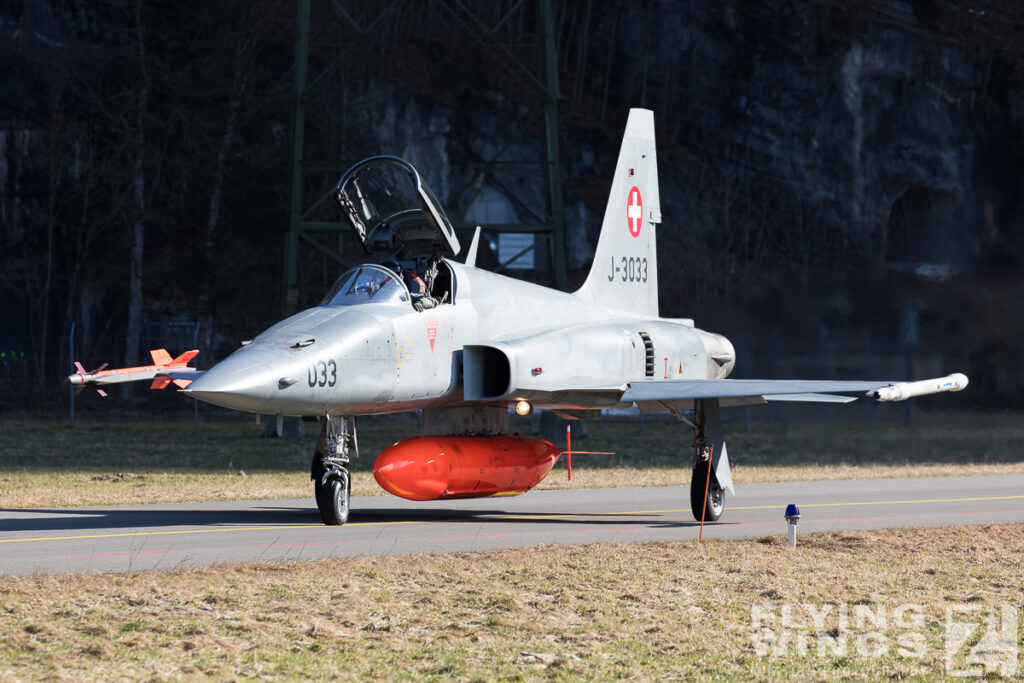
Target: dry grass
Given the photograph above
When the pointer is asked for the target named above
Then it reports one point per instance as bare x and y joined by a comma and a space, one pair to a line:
45, 463
646, 611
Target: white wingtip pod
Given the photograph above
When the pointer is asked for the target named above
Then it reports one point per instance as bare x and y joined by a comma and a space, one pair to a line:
900, 391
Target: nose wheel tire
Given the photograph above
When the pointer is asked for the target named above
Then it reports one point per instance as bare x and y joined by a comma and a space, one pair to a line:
332, 498
713, 504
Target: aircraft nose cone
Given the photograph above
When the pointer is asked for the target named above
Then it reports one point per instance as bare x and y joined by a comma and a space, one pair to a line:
243, 381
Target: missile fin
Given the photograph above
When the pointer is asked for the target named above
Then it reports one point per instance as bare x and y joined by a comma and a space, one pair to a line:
160, 356
184, 358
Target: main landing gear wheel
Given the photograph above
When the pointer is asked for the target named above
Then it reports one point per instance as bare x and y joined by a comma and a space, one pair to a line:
332, 498
712, 505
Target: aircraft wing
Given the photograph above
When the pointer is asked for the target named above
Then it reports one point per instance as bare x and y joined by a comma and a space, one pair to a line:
819, 391
581, 367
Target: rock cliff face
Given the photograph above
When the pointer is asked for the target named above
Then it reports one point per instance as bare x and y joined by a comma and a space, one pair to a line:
829, 171
870, 134
867, 136
872, 153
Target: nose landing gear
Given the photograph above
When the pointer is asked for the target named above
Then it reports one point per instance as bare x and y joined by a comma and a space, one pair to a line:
332, 498
331, 480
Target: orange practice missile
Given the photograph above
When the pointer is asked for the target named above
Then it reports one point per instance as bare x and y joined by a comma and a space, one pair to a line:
164, 365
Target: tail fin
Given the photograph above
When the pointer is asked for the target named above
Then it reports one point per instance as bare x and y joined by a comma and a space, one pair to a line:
160, 356
624, 274
184, 358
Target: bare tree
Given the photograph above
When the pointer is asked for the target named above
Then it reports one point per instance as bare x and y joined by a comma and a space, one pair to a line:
249, 37
138, 233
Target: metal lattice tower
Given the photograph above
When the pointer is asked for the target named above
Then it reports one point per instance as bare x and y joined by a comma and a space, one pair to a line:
324, 116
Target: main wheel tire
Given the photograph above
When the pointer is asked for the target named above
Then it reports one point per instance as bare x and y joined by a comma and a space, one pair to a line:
318, 492
713, 504
333, 499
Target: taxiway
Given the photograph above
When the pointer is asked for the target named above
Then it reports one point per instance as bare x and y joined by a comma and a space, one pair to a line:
167, 536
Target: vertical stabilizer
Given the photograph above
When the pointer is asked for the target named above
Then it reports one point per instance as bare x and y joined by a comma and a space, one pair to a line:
624, 273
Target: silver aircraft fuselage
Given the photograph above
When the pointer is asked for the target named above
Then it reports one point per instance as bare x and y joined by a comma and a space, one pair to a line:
386, 357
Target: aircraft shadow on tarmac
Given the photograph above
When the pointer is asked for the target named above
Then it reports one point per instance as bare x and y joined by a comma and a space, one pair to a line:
93, 520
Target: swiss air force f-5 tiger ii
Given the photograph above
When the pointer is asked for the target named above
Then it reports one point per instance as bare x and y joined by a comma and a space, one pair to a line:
416, 330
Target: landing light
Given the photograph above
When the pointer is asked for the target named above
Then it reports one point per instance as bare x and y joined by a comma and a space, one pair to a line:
523, 408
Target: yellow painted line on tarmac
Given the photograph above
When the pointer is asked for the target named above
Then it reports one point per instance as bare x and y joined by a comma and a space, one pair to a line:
198, 531
569, 515
884, 502
765, 507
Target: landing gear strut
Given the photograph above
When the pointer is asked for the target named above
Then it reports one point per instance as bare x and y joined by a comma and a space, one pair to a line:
331, 479
707, 493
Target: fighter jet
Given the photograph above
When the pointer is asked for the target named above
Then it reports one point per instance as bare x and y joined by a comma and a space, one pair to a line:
415, 329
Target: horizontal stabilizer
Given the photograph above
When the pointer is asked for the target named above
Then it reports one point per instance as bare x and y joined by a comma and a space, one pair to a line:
160, 382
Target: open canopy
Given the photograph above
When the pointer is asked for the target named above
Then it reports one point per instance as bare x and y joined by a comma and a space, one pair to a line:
390, 207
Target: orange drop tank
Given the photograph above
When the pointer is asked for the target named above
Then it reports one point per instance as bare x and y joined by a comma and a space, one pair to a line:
437, 467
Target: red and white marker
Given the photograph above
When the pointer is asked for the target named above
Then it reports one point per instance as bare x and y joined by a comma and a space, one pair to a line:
431, 324
634, 211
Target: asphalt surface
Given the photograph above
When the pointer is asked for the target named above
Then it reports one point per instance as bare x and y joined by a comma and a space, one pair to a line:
166, 536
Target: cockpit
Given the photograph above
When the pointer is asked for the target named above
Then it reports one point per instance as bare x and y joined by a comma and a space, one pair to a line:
366, 284
396, 216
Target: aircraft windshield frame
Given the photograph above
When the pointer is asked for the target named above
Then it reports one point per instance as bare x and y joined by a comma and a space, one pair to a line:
365, 284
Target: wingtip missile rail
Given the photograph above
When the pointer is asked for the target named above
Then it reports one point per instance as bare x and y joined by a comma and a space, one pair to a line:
163, 372
899, 391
